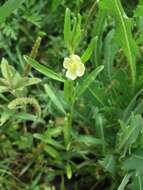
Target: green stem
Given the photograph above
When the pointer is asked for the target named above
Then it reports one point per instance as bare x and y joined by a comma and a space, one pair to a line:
102, 134
69, 117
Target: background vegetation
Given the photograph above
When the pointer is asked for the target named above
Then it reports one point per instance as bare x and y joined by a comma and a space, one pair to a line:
58, 134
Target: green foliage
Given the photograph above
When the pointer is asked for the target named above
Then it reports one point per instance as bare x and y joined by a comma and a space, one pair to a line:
124, 182
54, 98
129, 133
44, 70
123, 33
87, 81
8, 8
88, 52
62, 134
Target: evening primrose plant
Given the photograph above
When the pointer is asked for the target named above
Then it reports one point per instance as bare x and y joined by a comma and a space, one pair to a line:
75, 66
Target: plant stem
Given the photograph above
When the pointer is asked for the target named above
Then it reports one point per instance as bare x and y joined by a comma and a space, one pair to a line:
102, 134
69, 118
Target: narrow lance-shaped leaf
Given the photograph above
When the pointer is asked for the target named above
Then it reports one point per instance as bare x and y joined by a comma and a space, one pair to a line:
52, 152
88, 52
110, 50
109, 163
43, 69
123, 33
67, 27
73, 31
77, 33
89, 140
88, 80
25, 81
69, 171
131, 106
54, 98
98, 31
129, 133
6, 69
124, 182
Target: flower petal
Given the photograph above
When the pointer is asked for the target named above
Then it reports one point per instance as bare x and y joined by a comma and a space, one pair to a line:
80, 69
75, 58
66, 63
71, 75
75, 68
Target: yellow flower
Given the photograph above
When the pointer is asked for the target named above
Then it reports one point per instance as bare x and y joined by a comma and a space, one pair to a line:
75, 68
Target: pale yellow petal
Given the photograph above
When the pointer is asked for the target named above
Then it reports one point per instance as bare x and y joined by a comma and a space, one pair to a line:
75, 68
75, 58
71, 75
80, 69
66, 63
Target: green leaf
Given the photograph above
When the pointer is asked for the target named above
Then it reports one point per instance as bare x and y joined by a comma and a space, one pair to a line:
69, 171
8, 8
123, 33
26, 117
109, 163
131, 106
134, 162
98, 30
88, 140
6, 69
139, 10
55, 132
52, 152
137, 181
76, 33
55, 4
67, 27
5, 117
87, 81
27, 82
98, 93
124, 182
129, 133
54, 98
47, 140
88, 52
3, 89
110, 50
3, 82
43, 69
